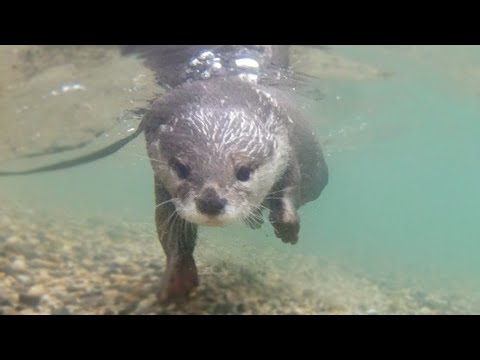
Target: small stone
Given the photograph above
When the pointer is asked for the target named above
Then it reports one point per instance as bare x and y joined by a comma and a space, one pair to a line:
223, 309
111, 295
425, 311
41, 235
29, 300
37, 291
121, 260
43, 264
128, 310
33, 241
147, 303
241, 308
28, 312
25, 279
308, 293
372, 312
61, 311
19, 264
4, 301
129, 270
13, 240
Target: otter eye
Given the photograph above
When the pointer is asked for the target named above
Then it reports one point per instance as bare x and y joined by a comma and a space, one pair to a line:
243, 174
182, 170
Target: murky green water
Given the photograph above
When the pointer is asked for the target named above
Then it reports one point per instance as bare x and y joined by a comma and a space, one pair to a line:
401, 205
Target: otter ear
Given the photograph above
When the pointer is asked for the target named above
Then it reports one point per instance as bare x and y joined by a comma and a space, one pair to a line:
154, 121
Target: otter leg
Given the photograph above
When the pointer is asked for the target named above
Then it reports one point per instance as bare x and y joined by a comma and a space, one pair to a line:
285, 220
283, 208
177, 237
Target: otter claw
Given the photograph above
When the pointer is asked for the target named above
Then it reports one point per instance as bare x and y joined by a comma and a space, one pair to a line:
287, 232
286, 225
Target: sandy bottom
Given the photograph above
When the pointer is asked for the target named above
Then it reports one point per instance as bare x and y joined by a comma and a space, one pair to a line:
55, 265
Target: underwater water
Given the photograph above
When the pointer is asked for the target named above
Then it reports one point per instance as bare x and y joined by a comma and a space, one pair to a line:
394, 231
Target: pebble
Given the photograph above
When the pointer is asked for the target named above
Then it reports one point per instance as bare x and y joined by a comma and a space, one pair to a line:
19, 264
28, 312
29, 300
36, 291
241, 308
147, 303
13, 240
4, 301
128, 310
24, 279
61, 311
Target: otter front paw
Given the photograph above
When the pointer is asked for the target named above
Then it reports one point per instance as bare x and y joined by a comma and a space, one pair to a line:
179, 280
286, 226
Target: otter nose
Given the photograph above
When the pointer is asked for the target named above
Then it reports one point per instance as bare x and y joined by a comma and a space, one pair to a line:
209, 202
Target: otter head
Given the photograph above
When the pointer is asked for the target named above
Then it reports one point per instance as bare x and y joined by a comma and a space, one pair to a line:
217, 154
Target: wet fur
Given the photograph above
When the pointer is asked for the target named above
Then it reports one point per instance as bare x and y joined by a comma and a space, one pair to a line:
301, 179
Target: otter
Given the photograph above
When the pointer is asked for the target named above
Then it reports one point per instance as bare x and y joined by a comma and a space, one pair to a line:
225, 144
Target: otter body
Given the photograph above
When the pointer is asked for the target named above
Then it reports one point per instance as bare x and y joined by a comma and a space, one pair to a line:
225, 144
224, 148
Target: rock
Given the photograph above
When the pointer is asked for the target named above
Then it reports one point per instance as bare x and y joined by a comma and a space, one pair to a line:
25, 279
425, 311
33, 241
4, 301
41, 235
128, 310
29, 300
111, 295
308, 293
241, 308
130, 270
28, 312
37, 291
146, 303
19, 264
61, 311
223, 309
13, 240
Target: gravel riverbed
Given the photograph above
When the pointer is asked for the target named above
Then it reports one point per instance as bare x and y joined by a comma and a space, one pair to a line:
62, 266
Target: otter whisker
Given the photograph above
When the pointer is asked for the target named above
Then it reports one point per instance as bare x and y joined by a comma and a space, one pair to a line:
284, 189
248, 220
258, 207
165, 202
251, 220
174, 224
152, 159
261, 207
165, 224
255, 216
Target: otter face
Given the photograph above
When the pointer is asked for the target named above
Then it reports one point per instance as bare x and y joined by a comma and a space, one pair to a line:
218, 166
